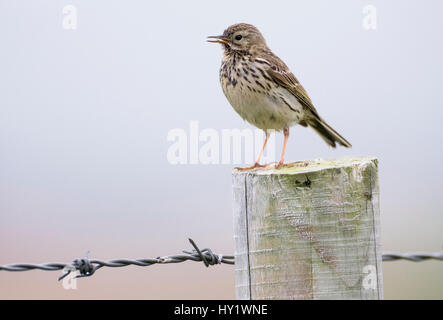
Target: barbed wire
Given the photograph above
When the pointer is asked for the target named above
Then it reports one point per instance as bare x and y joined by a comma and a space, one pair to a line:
415, 257
87, 267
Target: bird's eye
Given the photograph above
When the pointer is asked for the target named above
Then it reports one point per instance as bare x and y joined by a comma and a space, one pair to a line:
238, 37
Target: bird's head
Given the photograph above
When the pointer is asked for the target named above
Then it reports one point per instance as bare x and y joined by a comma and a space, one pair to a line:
240, 37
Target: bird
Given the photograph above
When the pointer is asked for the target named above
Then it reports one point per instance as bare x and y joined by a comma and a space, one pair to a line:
263, 91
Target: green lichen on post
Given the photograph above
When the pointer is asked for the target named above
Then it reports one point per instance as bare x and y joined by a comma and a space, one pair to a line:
309, 166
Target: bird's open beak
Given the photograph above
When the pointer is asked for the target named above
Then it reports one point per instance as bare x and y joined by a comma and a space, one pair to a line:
218, 39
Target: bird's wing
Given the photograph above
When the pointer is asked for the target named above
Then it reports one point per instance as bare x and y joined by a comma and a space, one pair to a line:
281, 74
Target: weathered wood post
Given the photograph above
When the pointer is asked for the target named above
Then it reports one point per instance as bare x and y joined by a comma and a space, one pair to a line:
309, 232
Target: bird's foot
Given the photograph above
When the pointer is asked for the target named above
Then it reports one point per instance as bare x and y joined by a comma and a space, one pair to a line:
292, 164
256, 165
280, 165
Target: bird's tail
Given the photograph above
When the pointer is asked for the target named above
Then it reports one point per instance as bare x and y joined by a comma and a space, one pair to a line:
327, 133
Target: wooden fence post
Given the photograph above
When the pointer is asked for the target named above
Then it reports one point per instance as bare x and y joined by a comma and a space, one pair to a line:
309, 232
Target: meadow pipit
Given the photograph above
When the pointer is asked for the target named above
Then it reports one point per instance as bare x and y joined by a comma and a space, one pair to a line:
262, 89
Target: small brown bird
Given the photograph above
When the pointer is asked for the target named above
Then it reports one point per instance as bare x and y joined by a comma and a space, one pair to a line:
262, 89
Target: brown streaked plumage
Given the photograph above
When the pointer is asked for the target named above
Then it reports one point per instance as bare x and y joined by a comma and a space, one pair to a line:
262, 89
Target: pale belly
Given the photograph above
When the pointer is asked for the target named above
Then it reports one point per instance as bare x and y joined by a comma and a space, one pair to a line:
276, 111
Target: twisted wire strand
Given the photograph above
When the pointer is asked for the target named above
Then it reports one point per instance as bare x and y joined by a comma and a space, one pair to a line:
414, 256
87, 267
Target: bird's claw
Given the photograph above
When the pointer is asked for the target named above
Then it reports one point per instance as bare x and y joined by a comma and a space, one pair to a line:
273, 165
255, 166
292, 164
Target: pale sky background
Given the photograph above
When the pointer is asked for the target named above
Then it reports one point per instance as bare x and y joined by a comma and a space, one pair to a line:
84, 116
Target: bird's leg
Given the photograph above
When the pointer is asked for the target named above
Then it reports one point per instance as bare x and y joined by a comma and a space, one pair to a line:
257, 163
282, 159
